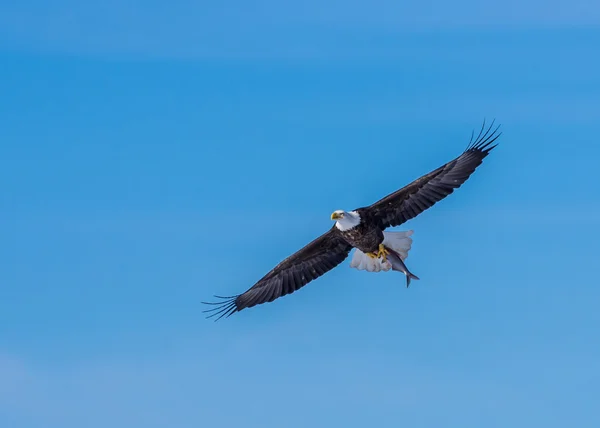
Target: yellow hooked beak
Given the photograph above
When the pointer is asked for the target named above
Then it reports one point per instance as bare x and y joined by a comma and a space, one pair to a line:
336, 216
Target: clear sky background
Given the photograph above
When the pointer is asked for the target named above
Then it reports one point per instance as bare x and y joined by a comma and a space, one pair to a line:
155, 155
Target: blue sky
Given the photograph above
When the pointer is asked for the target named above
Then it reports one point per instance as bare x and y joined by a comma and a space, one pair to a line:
153, 156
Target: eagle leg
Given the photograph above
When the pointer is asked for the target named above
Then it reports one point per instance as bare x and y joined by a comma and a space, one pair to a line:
381, 253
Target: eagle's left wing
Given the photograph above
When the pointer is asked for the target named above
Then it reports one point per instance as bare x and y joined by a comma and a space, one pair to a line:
307, 264
424, 192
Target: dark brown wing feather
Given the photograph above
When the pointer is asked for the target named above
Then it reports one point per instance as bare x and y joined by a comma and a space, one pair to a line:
307, 264
423, 193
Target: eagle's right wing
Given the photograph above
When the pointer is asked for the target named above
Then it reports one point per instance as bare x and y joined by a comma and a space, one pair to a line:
307, 264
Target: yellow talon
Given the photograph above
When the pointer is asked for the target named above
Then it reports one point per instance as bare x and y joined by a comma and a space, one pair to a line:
382, 252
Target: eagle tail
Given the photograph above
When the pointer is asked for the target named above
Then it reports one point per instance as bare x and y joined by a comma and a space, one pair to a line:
400, 242
361, 261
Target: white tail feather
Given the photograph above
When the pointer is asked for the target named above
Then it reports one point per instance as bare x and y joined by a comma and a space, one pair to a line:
400, 242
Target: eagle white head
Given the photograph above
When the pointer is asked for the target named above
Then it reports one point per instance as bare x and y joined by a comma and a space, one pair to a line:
345, 220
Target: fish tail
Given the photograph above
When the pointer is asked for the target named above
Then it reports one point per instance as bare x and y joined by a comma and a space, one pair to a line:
410, 276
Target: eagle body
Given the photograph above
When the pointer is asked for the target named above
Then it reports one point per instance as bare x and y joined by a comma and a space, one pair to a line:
364, 230
365, 236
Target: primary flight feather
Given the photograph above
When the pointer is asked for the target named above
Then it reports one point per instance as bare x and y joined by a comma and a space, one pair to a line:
364, 230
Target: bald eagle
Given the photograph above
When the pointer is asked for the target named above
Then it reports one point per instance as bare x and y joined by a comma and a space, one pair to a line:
364, 230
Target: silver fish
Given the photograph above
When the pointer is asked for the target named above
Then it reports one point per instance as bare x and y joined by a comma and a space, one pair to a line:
398, 265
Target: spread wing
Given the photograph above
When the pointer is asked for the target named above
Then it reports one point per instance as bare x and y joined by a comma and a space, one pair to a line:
307, 264
423, 193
